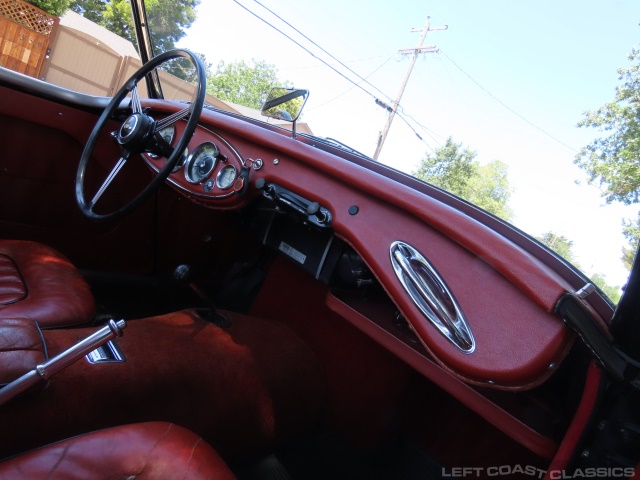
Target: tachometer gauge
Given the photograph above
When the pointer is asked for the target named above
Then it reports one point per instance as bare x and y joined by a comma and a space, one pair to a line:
167, 133
201, 162
226, 177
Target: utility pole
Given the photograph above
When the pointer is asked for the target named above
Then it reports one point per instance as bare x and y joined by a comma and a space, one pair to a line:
414, 52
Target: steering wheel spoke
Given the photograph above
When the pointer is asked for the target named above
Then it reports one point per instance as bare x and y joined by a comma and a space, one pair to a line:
136, 106
139, 133
110, 178
171, 119
159, 146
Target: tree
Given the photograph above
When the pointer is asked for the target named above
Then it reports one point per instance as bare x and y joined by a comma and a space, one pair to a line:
559, 244
90, 9
612, 292
117, 18
183, 68
455, 169
612, 161
490, 189
168, 19
563, 247
243, 83
53, 7
631, 231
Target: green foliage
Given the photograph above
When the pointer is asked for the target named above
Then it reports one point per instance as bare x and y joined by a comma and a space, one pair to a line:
449, 167
243, 83
631, 231
168, 19
455, 169
288, 109
612, 161
490, 189
53, 7
90, 9
183, 68
559, 244
612, 292
117, 18
562, 246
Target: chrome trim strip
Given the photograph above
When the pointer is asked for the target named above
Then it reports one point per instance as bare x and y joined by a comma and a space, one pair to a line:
235, 175
585, 291
430, 294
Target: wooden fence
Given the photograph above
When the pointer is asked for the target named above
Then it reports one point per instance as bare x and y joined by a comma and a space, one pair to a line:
25, 36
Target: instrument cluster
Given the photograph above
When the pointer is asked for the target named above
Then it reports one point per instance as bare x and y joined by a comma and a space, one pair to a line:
209, 168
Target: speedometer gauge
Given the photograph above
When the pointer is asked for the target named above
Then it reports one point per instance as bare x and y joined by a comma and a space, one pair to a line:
226, 177
201, 162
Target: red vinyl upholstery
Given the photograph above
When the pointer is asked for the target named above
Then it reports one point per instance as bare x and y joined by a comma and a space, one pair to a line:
21, 348
39, 283
143, 451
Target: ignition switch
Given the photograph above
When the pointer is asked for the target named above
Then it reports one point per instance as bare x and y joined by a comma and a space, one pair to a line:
241, 183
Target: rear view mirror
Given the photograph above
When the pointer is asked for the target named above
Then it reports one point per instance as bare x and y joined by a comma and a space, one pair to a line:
285, 103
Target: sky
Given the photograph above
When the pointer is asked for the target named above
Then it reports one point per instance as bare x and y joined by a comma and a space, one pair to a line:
510, 81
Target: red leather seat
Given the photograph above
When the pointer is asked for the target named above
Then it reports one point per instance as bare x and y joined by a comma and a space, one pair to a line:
144, 451
39, 283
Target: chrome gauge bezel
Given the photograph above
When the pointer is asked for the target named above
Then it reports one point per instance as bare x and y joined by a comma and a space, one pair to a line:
182, 160
194, 156
222, 172
168, 131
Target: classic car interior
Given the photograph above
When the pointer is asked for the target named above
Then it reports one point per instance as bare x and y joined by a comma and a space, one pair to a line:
291, 309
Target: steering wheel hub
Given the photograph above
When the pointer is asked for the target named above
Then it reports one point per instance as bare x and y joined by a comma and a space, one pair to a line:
134, 132
136, 135
128, 128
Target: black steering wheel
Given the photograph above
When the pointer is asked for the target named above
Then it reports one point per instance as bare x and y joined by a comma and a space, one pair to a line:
140, 133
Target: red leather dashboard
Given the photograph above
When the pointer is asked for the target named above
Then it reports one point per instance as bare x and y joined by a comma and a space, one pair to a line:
507, 295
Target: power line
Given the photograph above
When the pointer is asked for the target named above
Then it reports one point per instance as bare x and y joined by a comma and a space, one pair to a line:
428, 131
285, 68
357, 85
351, 88
414, 52
304, 48
322, 49
508, 107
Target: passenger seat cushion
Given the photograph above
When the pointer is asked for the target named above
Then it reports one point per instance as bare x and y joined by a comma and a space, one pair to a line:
12, 288
38, 282
143, 451
21, 348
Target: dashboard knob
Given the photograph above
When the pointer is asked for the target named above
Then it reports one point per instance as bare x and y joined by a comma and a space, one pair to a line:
313, 208
182, 273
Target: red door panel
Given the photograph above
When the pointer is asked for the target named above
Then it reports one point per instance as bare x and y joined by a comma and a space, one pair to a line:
39, 155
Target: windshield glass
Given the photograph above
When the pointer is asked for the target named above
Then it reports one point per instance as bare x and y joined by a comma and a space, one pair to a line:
491, 99
510, 105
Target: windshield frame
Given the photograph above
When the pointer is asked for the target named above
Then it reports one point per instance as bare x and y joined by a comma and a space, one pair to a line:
145, 46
